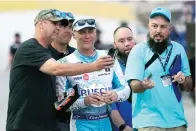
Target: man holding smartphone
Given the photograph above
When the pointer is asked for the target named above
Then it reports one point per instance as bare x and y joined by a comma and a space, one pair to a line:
32, 93
96, 89
121, 113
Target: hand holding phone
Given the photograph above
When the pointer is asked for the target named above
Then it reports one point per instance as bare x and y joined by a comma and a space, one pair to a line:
149, 77
147, 83
113, 53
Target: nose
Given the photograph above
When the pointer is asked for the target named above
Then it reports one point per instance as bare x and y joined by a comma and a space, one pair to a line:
158, 29
127, 43
87, 34
57, 27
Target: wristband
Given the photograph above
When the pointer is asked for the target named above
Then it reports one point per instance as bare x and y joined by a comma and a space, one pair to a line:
122, 127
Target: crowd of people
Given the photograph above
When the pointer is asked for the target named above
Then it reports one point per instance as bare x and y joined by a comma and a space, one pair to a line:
138, 87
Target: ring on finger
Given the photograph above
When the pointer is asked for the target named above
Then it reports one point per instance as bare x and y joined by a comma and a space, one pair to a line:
180, 80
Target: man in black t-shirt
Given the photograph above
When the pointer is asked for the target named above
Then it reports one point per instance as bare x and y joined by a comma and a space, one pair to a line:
32, 94
60, 48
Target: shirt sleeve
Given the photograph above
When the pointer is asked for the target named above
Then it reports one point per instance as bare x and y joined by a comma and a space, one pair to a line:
60, 86
113, 106
11, 50
78, 104
135, 64
32, 55
64, 84
119, 84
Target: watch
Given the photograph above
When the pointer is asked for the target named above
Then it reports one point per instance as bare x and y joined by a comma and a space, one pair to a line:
122, 127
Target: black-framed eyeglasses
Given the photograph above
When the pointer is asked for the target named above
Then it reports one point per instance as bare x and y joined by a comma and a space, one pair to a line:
84, 21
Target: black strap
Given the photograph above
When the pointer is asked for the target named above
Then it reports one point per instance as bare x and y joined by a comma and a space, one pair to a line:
152, 59
167, 59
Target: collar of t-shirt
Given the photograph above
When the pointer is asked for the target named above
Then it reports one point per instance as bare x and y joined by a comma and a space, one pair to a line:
57, 55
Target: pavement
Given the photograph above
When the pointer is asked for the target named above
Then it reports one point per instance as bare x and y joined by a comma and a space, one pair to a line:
4, 88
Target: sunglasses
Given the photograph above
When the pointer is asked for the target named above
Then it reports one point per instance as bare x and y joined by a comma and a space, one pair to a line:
67, 14
53, 12
84, 21
60, 14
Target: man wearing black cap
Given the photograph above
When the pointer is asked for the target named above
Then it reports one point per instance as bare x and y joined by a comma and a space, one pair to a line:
157, 99
32, 92
59, 48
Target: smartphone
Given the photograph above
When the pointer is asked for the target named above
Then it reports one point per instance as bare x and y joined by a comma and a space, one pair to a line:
113, 53
149, 77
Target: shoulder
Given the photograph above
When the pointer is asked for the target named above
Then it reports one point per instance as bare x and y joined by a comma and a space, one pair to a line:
177, 45
30, 43
33, 48
71, 49
178, 48
140, 47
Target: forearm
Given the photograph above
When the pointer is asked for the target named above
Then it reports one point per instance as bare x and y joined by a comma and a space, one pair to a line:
136, 86
73, 69
58, 69
116, 118
123, 93
187, 85
11, 57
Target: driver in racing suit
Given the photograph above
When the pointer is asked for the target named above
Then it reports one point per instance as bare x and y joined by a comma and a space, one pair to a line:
96, 89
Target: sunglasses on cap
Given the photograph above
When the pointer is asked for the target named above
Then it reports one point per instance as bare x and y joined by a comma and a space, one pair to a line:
53, 12
60, 14
84, 21
67, 14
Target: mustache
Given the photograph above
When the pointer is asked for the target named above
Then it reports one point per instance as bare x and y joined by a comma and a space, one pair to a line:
158, 34
158, 47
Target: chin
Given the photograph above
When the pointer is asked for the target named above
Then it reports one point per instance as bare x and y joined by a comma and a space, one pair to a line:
87, 47
53, 37
127, 52
158, 41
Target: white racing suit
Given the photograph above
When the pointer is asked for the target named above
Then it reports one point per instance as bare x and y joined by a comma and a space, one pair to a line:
92, 118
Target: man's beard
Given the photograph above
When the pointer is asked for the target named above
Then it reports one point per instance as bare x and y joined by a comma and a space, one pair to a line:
158, 47
122, 57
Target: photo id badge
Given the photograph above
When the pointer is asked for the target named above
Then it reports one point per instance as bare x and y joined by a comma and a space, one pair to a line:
166, 80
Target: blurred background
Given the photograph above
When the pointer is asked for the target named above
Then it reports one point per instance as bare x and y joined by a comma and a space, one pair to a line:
17, 18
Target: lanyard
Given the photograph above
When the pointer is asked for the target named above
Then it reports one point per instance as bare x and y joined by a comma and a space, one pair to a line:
167, 59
